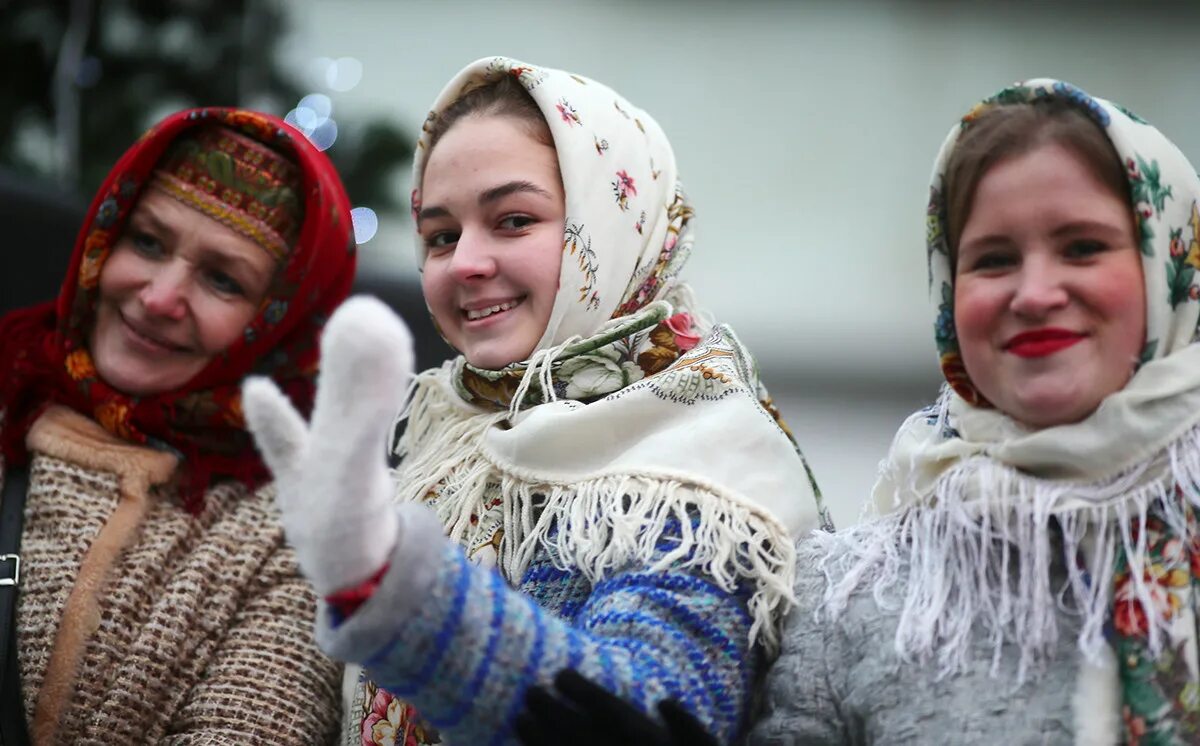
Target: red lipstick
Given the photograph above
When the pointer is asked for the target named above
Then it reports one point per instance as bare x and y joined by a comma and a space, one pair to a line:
1042, 342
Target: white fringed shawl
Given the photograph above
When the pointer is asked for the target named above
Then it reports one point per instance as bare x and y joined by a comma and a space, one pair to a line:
967, 498
598, 483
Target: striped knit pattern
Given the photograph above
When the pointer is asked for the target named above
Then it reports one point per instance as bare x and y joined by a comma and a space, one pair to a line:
204, 632
467, 647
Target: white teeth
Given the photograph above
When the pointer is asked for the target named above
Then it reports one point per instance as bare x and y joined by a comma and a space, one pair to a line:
483, 313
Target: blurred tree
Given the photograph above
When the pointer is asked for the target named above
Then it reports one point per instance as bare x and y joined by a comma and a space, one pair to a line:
84, 78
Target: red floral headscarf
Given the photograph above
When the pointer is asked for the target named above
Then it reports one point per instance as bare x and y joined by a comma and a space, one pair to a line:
44, 358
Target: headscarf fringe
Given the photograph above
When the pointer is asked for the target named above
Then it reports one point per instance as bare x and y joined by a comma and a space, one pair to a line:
540, 368
986, 560
598, 525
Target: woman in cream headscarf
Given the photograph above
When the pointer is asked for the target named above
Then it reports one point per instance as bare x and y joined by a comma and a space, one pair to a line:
1040, 516
610, 453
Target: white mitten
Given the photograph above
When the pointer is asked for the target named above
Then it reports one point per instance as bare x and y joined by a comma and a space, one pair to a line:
332, 482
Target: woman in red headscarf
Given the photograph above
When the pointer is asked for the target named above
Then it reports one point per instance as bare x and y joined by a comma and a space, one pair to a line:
157, 600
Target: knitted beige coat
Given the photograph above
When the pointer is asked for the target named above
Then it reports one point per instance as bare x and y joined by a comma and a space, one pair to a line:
140, 623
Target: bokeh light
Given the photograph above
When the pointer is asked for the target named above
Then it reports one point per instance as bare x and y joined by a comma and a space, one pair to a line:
343, 74
324, 135
313, 117
318, 105
365, 223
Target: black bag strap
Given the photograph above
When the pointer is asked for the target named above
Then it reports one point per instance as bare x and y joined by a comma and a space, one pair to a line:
13, 731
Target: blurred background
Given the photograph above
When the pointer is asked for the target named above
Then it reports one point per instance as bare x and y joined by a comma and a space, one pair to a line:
805, 132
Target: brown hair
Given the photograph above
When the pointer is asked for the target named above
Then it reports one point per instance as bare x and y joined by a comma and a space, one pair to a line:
1010, 130
503, 97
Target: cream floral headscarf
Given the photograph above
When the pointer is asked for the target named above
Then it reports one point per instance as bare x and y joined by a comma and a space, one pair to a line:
978, 497
628, 404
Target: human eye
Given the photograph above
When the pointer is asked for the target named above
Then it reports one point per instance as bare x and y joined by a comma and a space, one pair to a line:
441, 241
146, 244
1084, 249
992, 261
224, 284
516, 222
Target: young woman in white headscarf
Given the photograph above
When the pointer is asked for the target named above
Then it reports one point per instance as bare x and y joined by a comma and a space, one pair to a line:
619, 495
1032, 573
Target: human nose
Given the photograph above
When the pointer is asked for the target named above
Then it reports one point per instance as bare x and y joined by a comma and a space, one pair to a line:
165, 293
1040, 288
474, 258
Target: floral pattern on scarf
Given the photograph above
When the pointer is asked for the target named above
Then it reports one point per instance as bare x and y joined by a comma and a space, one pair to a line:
647, 343
387, 721
1161, 695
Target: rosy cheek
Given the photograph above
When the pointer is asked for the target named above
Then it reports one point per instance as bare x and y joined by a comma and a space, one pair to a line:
967, 309
976, 314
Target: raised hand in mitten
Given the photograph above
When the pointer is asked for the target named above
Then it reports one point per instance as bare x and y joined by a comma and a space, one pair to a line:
332, 481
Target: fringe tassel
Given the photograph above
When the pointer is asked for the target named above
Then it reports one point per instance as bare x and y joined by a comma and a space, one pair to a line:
598, 525
608, 523
448, 432
977, 555
541, 369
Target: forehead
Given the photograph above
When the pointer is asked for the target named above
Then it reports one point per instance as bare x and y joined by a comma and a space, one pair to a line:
194, 230
478, 152
1048, 178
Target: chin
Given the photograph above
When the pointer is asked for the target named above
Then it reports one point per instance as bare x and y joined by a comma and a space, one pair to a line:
491, 361
1042, 413
495, 357
129, 385
140, 382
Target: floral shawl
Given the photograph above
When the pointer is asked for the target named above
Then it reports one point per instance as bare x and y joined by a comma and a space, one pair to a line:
631, 411
45, 359
1113, 495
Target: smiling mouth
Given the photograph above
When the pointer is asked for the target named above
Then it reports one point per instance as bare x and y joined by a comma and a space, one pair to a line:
1042, 342
476, 314
149, 341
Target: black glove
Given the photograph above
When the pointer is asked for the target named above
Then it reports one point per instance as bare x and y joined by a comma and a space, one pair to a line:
583, 713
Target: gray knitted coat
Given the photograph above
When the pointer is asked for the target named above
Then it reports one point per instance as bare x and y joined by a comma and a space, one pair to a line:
843, 683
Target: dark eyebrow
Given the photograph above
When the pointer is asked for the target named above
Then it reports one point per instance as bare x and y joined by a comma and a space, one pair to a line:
1086, 226
512, 187
985, 243
487, 196
427, 213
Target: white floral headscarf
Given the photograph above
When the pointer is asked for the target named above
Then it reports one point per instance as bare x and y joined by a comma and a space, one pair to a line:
629, 415
626, 397
979, 507
626, 219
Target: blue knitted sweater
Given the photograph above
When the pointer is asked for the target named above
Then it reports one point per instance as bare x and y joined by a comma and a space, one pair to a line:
463, 646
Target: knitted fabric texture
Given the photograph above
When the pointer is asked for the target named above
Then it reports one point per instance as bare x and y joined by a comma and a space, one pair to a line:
845, 683
141, 623
646, 635
45, 357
